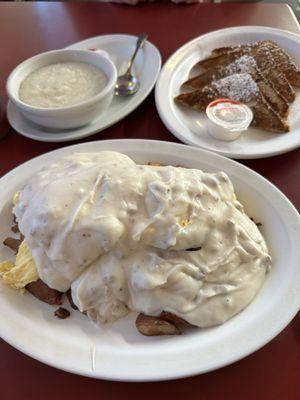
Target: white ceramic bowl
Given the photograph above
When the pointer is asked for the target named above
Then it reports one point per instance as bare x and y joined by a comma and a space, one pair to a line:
64, 117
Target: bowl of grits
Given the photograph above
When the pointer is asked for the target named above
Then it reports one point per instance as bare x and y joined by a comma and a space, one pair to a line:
63, 89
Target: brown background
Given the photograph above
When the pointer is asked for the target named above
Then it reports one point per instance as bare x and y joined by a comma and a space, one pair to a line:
29, 28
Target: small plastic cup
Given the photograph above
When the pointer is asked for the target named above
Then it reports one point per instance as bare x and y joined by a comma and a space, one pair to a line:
227, 119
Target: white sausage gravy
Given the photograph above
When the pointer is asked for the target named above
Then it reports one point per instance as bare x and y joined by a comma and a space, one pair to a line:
126, 237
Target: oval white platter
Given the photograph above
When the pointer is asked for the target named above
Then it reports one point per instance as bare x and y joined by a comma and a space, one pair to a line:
119, 352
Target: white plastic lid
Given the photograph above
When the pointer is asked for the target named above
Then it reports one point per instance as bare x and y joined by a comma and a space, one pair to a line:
228, 118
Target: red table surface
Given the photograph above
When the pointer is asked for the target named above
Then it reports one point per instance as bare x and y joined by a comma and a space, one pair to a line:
30, 28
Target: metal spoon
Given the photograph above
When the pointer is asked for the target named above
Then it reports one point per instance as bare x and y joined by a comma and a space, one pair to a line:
128, 84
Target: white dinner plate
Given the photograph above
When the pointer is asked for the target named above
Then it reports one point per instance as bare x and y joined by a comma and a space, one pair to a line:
190, 126
120, 352
120, 48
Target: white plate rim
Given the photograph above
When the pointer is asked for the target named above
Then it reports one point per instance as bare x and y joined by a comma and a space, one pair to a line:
96, 126
163, 111
160, 147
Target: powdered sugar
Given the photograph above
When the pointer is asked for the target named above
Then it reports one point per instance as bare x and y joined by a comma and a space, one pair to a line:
280, 57
244, 64
239, 87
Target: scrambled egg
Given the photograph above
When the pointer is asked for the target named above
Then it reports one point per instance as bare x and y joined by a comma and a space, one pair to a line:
21, 273
16, 198
184, 223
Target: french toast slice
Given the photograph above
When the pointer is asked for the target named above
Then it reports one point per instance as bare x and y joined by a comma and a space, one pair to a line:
263, 53
244, 64
283, 60
240, 87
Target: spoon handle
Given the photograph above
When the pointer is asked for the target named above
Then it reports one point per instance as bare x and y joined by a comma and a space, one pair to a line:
139, 43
